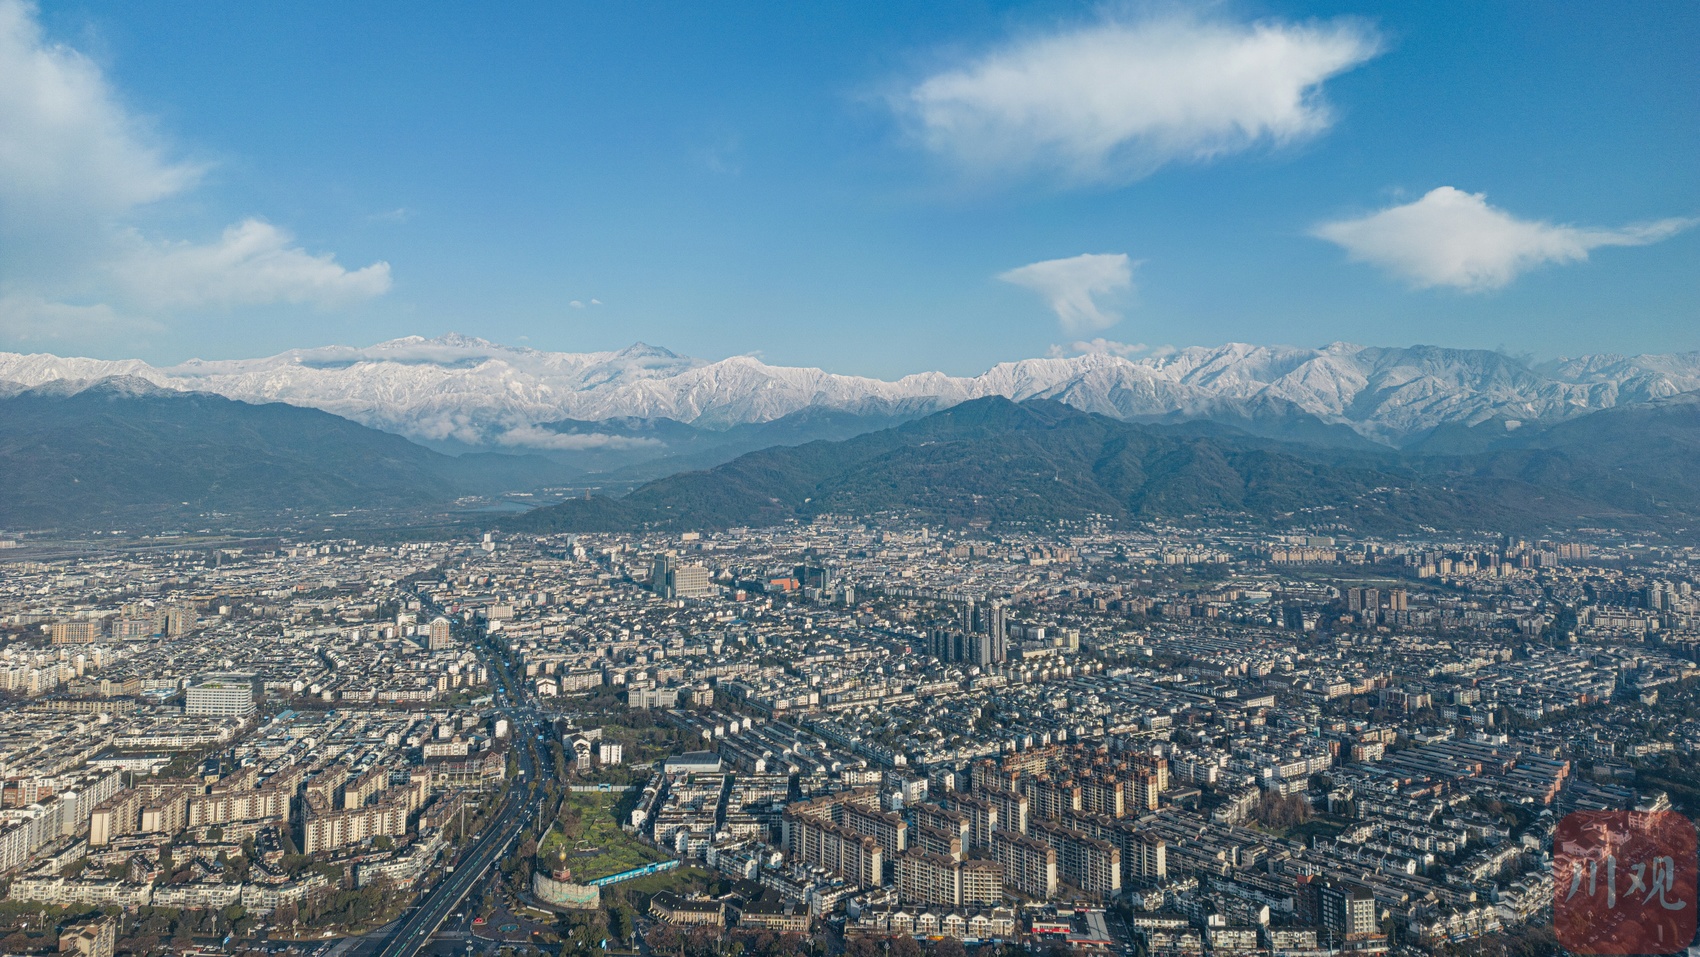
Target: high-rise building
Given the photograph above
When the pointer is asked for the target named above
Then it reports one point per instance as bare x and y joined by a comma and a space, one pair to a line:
692, 581
1145, 857
816, 581
1346, 910
969, 646
932, 879
981, 814
661, 574
1012, 809
75, 631
889, 829
1145, 790
857, 858
1104, 795
220, 695
924, 878
1048, 798
939, 841
1090, 864
952, 826
669, 579
997, 628
1157, 765
439, 634
1029, 865
179, 620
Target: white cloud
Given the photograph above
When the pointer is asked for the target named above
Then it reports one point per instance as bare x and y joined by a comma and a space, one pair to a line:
535, 437
1118, 99
1071, 286
1453, 238
67, 147
1097, 346
77, 168
253, 263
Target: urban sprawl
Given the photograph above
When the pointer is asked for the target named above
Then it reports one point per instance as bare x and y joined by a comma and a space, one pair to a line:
828, 738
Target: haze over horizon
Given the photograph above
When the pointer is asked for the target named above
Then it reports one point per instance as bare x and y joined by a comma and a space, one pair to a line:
942, 190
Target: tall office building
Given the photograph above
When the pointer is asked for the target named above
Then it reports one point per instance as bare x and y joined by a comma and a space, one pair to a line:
669, 579
691, 581
661, 574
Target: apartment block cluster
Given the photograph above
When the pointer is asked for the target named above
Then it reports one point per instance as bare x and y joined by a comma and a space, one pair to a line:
326, 784
174, 712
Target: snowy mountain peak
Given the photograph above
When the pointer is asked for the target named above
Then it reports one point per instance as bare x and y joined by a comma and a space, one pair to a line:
643, 350
469, 390
455, 340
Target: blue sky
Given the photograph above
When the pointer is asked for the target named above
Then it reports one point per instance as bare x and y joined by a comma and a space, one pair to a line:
872, 189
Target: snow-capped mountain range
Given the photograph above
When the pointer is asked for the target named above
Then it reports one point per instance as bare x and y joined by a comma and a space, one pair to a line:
472, 392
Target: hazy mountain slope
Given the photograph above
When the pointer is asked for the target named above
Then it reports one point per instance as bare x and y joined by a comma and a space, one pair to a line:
1039, 461
1644, 458
631, 450
475, 393
73, 452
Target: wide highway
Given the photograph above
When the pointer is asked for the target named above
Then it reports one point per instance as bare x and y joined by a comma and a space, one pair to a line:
414, 931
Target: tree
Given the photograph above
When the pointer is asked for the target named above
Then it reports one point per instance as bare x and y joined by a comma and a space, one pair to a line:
181, 941
1281, 811
664, 939
620, 922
